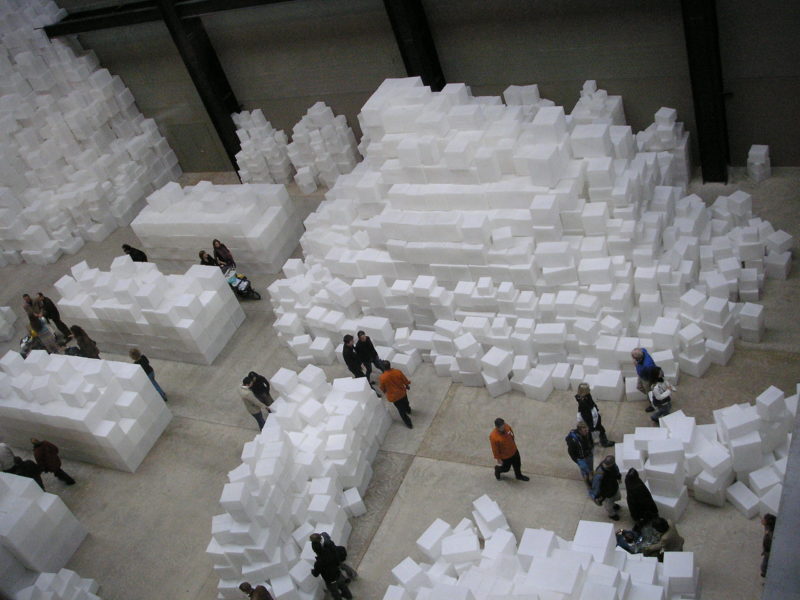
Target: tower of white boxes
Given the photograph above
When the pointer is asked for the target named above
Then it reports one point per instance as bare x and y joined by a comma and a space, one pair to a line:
187, 317
98, 411
306, 471
518, 247
264, 156
7, 319
541, 565
76, 156
257, 222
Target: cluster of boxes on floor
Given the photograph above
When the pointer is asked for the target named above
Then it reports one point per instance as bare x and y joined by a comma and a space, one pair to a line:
541, 565
323, 147
76, 156
306, 471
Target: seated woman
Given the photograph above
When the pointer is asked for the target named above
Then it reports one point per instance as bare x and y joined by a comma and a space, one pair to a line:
669, 540
223, 255
208, 260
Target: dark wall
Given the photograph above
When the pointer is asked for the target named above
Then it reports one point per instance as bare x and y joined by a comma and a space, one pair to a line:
284, 57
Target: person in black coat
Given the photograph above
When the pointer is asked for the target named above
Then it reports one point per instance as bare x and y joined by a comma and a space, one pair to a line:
321, 543
605, 486
51, 314
351, 358
367, 353
328, 565
87, 345
641, 505
590, 414
223, 255
260, 388
135, 254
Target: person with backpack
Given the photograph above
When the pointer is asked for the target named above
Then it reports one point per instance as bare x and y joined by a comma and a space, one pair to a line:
322, 542
328, 565
590, 414
605, 487
581, 450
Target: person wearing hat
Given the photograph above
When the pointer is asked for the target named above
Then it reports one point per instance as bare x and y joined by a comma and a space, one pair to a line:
605, 486
504, 449
660, 398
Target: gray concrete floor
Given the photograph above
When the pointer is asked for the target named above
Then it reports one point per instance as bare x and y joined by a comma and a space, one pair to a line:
148, 531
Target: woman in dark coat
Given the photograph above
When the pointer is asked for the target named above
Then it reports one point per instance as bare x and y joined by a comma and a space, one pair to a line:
223, 255
86, 344
207, 260
590, 414
640, 502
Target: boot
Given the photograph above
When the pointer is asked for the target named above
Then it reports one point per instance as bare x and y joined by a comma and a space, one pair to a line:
605, 442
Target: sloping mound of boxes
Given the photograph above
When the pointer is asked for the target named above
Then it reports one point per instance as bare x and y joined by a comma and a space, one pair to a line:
76, 155
7, 319
323, 147
257, 222
740, 457
64, 585
38, 533
561, 241
186, 317
306, 471
102, 412
264, 157
482, 560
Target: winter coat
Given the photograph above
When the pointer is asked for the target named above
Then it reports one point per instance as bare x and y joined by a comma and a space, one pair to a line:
578, 446
366, 350
640, 501
606, 481
46, 455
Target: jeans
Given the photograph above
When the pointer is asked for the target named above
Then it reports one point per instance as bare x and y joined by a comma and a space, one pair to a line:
661, 411
404, 409
514, 462
586, 466
152, 376
376, 362
608, 504
259, 419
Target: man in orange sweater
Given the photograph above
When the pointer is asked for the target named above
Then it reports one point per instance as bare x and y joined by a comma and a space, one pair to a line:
505, 450
394, 385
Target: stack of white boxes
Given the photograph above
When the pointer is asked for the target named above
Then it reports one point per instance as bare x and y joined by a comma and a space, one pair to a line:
323, 147
37, 532
7, 319
549, 236
758, 164
64, 585
747, 444
541, 565
306, 471
258, 222
102, 412
186, 317
76, 156
264, 156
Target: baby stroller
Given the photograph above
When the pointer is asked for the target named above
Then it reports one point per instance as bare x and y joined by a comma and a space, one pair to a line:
29, 343
241, 285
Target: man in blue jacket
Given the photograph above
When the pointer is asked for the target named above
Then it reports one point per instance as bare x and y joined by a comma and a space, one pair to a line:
645, 365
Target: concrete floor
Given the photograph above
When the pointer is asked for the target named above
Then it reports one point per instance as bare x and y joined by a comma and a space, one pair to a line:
148, 531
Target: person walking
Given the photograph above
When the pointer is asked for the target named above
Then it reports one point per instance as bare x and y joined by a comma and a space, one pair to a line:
328, 565
504, 449
86, 344
367, 353
39, 329
135, 254
255, 593
47, 308
643, 363
394, 384
581, 450
140, 359
351, 358
250, 402
640, 501
590, 414
46, 455
259, 385
660, 397
605, 487
322, 543
223, 255
768, 521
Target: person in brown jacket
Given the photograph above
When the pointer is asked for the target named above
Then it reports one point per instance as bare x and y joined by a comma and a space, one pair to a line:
46, 455
504, 449
394, 385
255, 593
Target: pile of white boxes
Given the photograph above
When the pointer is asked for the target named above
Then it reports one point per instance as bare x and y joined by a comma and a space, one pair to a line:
99, 411
76, 155
7, 319
64, 585
748, 444
37, 532
758, 164
264, 156
258, 222
562, 241
306, 471
323, 147
541, 565
186, 317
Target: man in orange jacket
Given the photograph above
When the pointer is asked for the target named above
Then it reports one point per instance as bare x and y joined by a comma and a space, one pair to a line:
505, 450
394, 385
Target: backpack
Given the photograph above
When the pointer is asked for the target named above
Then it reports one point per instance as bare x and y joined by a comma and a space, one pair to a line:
341, 553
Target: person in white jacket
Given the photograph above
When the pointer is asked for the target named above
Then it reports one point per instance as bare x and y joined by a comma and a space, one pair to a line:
251, 403
661, 398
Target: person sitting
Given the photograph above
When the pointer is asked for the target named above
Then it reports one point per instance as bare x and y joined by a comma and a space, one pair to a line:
86, 345
223, 255
669, 540
207, 260
135, 254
